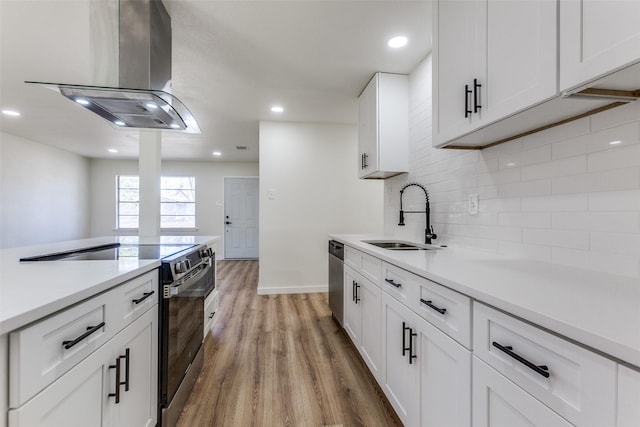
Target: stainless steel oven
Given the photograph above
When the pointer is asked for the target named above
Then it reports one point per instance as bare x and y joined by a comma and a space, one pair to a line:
186, 279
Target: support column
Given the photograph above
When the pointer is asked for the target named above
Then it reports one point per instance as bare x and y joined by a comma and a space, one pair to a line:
149, 164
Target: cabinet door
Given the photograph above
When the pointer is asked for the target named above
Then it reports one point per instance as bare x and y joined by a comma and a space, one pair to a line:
368, 129
370, 343
445, 378
75, 399
497, 402
352, 310
520, 56
628, 397
597, 37
458, 58
136, 347
400, 373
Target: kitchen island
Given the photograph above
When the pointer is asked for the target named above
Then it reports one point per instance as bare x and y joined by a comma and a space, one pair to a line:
33, 291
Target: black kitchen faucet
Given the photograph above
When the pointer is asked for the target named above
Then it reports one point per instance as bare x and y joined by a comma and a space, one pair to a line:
428, 232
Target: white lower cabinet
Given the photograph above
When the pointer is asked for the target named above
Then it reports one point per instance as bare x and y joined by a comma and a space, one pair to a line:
362, 317
85, 395
628, 410
426, 374
497, 402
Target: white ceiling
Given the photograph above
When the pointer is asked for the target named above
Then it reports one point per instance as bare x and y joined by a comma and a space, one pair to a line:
232, 60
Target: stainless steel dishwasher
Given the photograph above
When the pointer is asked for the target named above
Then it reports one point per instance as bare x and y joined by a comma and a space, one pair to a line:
336, 286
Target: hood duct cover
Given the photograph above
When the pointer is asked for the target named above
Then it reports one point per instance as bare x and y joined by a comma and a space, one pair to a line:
143, 100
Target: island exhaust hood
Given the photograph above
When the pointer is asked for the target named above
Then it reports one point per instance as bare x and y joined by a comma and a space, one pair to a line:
143, 99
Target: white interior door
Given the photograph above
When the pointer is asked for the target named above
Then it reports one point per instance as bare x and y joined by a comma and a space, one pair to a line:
241, 218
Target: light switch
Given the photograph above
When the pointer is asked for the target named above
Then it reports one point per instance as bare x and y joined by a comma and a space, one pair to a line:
473, 204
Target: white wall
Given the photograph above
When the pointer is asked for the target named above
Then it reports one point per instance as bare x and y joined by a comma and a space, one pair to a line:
564, 195
311, 170
43, 193
209, 191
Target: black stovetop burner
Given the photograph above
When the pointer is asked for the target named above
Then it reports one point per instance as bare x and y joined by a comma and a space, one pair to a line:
114, 251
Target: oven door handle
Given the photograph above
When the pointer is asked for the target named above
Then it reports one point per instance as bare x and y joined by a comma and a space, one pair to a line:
174, 290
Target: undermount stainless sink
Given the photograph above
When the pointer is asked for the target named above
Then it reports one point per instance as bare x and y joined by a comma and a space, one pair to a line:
398, 245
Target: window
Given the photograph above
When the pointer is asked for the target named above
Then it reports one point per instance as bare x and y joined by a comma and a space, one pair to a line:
128, 201
177, 202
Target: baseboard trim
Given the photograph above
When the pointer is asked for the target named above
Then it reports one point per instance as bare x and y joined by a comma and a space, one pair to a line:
292, 290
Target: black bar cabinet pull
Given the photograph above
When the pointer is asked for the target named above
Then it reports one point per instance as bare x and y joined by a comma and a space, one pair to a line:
357, 296
404, 340
476, 87
540, 369
143, 297
126, 369
90, 329
430, 305
362, 161
391, 282
117, 368
411, 353
353, 290
211, 315
467, 92
365, 158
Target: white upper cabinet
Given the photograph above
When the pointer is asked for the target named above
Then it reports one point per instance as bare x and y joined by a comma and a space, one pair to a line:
596, 38
383, 137
491, 59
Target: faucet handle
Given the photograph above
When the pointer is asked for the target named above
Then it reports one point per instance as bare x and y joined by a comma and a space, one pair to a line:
433, 235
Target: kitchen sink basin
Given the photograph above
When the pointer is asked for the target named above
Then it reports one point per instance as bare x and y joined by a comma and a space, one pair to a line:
398, 245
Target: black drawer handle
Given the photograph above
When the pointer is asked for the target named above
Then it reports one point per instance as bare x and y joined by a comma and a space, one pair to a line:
118, 382
391, 282
211, 315
143, 297
90, 330
430, 305
541, 369
476, 87
126, 369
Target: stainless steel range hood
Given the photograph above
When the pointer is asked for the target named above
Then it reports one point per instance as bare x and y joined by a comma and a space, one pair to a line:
143, 99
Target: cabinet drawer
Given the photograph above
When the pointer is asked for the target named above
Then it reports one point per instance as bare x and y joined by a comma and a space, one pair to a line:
398, 283
447, 310
210, 309
133, 298
370, 267
628, 397
576, 383
38, 355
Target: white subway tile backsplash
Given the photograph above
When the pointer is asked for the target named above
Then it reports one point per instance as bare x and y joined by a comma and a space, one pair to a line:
612, 201
541, 187
564, 195
597, 221
525, 219
569, 166
615, 158
555, 203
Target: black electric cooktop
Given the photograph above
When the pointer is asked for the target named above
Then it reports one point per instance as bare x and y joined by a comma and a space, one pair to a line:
114, 251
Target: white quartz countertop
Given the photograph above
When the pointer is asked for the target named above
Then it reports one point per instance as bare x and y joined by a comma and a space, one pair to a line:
33, 290
598, 310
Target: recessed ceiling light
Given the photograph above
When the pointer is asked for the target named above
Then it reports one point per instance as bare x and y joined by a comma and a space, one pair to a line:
119, 122
217, 153
615, 142
10, 113
174, 126
398, 41
82, 101
151, 105
112, 150
277, 109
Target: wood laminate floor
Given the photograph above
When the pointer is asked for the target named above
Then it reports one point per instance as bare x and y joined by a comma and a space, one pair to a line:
280, 360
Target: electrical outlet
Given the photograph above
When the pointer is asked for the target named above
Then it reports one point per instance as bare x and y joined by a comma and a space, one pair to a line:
473, 204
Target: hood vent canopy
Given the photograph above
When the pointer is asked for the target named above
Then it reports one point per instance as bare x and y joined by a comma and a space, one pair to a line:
143, 100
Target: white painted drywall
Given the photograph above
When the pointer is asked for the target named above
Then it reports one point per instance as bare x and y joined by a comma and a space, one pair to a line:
43, 193
308, 189
564, 196
209, 192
